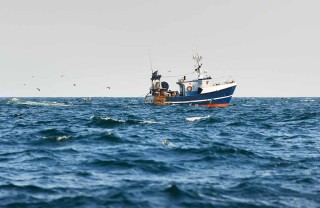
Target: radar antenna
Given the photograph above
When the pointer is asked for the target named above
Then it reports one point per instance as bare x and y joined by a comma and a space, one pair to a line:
198, 64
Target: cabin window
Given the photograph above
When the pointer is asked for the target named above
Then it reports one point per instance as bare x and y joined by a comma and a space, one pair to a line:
207, 82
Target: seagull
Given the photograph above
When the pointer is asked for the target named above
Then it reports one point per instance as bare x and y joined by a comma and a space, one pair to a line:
109, 88
74, 84
62, 75
24, 84
169, 70
38, 89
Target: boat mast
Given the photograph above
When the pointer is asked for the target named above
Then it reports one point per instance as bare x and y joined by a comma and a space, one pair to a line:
152, 75
198, 64
150, 61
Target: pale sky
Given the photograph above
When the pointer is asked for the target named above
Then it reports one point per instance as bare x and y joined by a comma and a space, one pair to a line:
271, 47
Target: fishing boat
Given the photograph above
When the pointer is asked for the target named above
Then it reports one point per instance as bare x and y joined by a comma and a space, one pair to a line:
203, 90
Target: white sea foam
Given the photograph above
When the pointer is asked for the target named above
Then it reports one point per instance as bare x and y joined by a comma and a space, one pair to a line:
60, 138
107, 118
44, 103
87, 98
196, 118
34, 103
149, 122
14, 100
113, 119
307, 100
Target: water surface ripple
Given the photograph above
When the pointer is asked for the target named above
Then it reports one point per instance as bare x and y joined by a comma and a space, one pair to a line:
117, 152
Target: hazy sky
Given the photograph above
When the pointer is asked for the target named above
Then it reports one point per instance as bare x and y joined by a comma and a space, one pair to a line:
271, 47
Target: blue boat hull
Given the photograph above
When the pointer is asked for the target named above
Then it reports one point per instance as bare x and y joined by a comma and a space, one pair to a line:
213, 99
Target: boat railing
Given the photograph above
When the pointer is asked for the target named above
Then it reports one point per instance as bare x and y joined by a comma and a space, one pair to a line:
222, 80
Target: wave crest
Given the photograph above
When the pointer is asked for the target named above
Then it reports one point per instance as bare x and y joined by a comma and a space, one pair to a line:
191, 119
35, 103
110, 122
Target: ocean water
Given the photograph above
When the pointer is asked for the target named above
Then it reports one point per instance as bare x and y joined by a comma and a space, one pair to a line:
117, 152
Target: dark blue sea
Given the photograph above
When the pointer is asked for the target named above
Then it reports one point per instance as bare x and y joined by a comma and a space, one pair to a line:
117, 152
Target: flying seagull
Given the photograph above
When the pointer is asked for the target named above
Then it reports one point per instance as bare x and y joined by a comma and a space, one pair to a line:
74, 84
38, 89
109, 88
62, 75
24, 84
169, 70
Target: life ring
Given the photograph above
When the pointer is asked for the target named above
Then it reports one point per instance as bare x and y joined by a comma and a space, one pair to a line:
189, 88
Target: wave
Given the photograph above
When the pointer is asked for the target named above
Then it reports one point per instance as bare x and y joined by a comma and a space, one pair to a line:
105, 121
47, 140
111, 122
184, 196
191, 119
238, 123
14, 100
27, 188
53, 135
307, 116
60, 138
247, 105
54, 132
35, 103
149, 122
216, 150
174, 191
110, 137
307, 100
102, 153
116, 164
148, 166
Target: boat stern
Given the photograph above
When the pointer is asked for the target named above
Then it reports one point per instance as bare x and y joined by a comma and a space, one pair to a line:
149, 99
155, 100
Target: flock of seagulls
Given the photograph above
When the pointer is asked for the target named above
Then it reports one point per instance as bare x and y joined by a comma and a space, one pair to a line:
24, 84
63, 75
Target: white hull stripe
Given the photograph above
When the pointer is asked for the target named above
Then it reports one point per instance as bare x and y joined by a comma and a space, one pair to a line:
194, 101
222, 97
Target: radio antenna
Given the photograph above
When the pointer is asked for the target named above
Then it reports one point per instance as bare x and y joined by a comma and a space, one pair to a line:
150, 60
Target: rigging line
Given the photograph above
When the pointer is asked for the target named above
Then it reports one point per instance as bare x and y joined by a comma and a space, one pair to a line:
180, 75
150, 60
